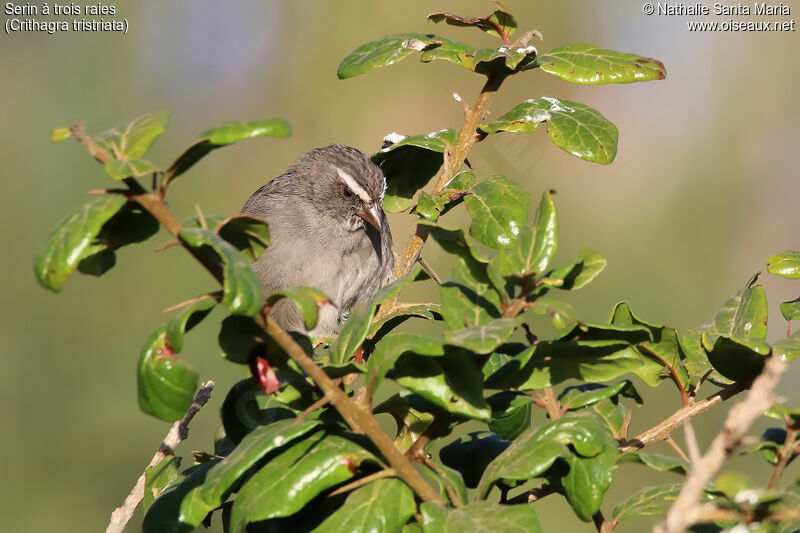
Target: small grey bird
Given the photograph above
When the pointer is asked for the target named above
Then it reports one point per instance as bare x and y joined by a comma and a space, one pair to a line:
327, 231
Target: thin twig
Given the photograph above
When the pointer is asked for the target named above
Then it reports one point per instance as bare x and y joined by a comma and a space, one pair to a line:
691, 442
784, 455
360, 482
177, 433
211, 296
454, 497
687, 510
429, 269
536, 493
677, 448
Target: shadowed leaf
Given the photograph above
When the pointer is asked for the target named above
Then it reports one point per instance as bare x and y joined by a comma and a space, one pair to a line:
166, 384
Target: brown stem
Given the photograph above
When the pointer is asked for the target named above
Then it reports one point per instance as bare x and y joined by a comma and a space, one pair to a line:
450, 491
536, 493
662, 430
687, 508
784, 455
455, 157
675, 378
551, 404
440, 420
177, 433
356, 416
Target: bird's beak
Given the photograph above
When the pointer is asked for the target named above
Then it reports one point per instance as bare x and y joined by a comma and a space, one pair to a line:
372, 215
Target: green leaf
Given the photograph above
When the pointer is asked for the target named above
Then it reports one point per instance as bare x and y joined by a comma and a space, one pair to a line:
791, 310
393, 346
75, 239
410, 413
380, 327
224, 135
249, 235
446, 477
561, 314
787, 349
499, 19
393, 48
531, 253
166, 384
574, 127
511, 413
485, 338
590, 393
588, 480
741, 317
118, 169
221, 480
498, 208
431, 206
535, 451
657, 461
156, 479
467, 299
648, 501
383, 505
164, 516
455, 241
60, 134
128, 142
308, 301
355, 330
470, 454
246, 407
785, 264
575, 275
241, 289
452, 381
189, 318
589, 64
479, 516
409, 164
738, 360
238, 337
303, 471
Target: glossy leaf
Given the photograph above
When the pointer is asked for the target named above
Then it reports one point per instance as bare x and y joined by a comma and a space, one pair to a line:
75, 239
479, 516
467, 299
485, 338
380, 327
249, 235
574, 127
741, 317
788, 348
499, 20
511, 413
589, 393
785, 264
658, 462
241, 289
588, 479
499, 208
531, 253
164, 516
791, 310
447, 477
409, 163
224, 135
220, 480
432, 206
156, 479
452, 381
383, 505
589, 64
575, 275
533, 452
308, 301
389, 50
246, 407
189, 318
129, 142
305, 469
393, 346
470, 454
648, 501
411, 415
166, 384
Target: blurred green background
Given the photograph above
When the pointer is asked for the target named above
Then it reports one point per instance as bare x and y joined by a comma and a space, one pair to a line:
703, 190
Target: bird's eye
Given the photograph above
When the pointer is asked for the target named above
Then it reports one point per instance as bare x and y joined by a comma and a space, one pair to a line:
346, 192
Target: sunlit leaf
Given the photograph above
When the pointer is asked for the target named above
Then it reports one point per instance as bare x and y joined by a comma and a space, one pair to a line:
166, 384
483, 338
499, 20
224, 135
511, 413
393, 346
499, 208
785, 264
383, 505
791, 310
574, 127
648, 501
130, 142
156, 479
589, 64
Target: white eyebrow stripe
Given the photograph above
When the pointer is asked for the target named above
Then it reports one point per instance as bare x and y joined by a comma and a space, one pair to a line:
351, 182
